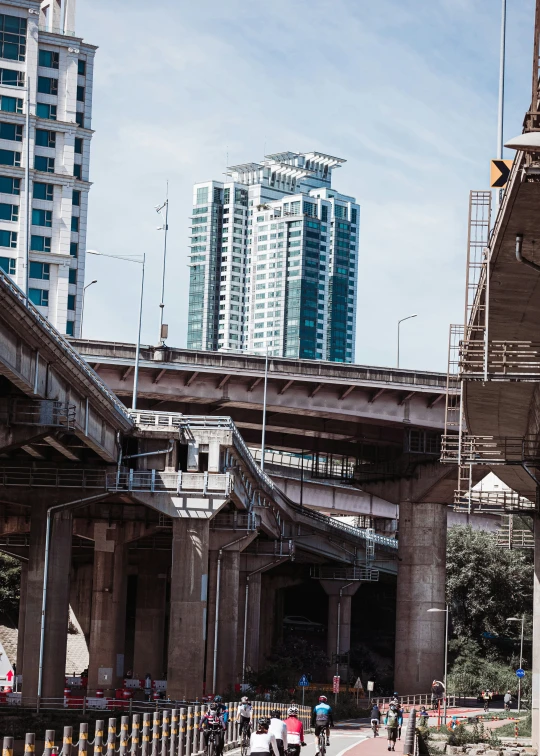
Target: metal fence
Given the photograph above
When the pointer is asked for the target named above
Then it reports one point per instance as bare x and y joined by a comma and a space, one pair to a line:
162, 732
419, 699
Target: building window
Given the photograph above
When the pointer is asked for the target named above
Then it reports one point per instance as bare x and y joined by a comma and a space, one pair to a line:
42, 218
9, 185
75, 224
73, 275
80, 94
11, 131
47, 85
81, 67
79, 119
11, 104
45, 138
49, 59
70, 325
8, 239
71, 302
11, 78
8, 265
40, 243
42, 271
44, 111
9, 157
202, 195
9, 212
44, 164
78, 145
76, 198
77, 171
12, 37
43, 191
74, 249
39, 297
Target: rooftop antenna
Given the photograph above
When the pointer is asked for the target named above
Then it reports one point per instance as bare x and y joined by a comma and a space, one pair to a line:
163, 327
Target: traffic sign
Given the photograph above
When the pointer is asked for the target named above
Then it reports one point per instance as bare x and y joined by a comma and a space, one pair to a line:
303, 682
358, 684
6, 670
500, 170
335, 686
520, 673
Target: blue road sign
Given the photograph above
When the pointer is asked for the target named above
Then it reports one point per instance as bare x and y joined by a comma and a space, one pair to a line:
303, 682
520, 672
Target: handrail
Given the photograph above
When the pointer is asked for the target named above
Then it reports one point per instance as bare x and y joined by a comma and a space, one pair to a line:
64, 345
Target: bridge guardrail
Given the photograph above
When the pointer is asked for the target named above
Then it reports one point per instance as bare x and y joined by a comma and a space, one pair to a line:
64, 345
153, 729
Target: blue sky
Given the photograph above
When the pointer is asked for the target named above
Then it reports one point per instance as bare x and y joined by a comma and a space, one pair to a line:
404, 90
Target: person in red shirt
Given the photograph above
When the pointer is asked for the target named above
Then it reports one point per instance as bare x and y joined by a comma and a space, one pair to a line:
295, 731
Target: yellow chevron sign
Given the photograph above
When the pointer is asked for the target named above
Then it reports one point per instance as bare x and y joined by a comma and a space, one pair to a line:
500, 170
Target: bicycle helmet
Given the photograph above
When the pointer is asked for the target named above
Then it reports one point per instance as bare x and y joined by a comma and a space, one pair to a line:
213, 707
218, 699
275, 714
244, 699
263, 723
322, 699
293, 711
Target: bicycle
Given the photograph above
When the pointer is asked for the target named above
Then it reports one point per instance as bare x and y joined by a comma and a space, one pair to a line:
322, 742
212, 742
244, 743
375, 728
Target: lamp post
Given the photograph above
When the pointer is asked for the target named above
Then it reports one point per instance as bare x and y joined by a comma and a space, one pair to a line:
140, 261
398, 327
82, 306
522, 620
445, 656
264, 408
165, 228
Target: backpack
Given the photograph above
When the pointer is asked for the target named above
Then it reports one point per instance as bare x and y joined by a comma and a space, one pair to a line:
392, 719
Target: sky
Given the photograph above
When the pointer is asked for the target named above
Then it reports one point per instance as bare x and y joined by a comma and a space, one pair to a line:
405, 90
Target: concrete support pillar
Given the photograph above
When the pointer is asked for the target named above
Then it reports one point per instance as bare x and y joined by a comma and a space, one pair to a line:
420, 636
57, 610
22, 617
108, 622
536, 640
253, 624
187, 625
339, 623
227, 665
193, 456
81, 595
150, 620
213, 455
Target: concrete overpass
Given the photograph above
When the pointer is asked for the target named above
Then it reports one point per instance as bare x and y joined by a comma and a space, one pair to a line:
87, 487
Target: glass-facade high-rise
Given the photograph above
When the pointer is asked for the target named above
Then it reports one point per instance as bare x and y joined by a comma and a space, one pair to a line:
274, 261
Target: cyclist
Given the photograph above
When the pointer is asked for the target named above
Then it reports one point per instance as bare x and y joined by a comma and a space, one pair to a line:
507, 700
213, 721
375, 720
391, 722
262, 741
222, 708
243, 716
279, 729
295, 731
322, 719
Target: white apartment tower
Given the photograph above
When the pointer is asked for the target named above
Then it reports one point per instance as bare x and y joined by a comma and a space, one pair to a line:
45, 132
274, 260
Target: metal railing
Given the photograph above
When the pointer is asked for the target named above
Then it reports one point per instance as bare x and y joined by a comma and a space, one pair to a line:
44, 412
155, 481
494, 502
50, 477
147, 730
506, 361
161, 420
418, 699
64, 345
490, 450
347, 574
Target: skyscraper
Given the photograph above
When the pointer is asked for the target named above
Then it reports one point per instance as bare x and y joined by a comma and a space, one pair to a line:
45, 132
274, 260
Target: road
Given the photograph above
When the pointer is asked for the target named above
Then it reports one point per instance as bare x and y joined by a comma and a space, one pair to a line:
351, 738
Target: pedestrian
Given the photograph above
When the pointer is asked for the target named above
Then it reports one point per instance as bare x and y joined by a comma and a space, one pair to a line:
400, 721
148, 686
507, 700
391, 722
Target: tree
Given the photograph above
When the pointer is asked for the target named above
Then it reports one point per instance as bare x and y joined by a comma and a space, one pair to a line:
10, 576
485, 584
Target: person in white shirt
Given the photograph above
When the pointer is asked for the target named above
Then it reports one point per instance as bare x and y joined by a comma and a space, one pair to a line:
243, 716
262, 741
279, 728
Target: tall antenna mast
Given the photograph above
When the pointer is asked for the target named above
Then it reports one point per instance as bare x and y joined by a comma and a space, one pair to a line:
533, 115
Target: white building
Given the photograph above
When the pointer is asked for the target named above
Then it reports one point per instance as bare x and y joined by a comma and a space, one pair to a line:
274, 260
45, 132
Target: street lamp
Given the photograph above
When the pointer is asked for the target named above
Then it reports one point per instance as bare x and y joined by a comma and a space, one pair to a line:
82, 306
165, 227
398, 327
264, 408
142, 262
522, 620
445, 654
